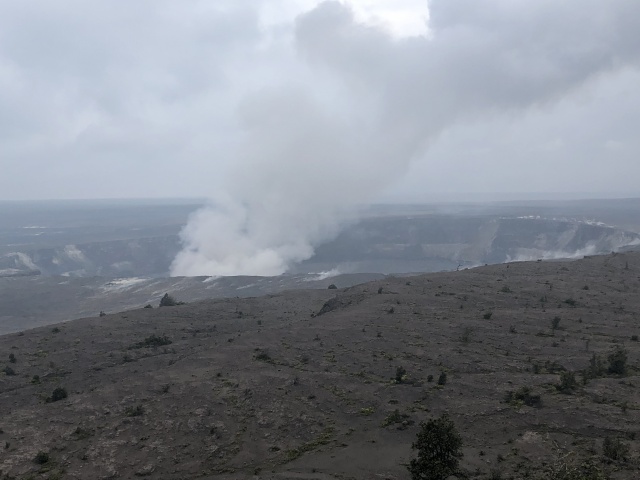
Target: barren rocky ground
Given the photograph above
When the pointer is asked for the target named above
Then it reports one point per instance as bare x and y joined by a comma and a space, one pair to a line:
306, 384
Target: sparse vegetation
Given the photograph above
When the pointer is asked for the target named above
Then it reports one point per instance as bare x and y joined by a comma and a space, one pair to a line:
332, 287
153, 341
523, 396
135, 411
466, 335
12, 358
555, 323
263, 355
401, 374
487, 315
366, 411
442, 379
439, 448
9, 372
396, 417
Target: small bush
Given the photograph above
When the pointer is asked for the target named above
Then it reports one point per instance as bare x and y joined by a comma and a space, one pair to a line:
401, 374
596, 367
571, 302
568, 470
617, 361
442, 379
332, 287
169, 301
466, 335
615, 449
58, 394
367, 411
153, 341
148, 305
567, 383
523, 396
263, 356
430, 378
136, 411
397, 417
634, 338
487, 316
41, 458
555, 323
9, 372
12, 358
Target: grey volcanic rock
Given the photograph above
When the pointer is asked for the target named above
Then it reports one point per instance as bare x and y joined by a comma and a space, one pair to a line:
260, 388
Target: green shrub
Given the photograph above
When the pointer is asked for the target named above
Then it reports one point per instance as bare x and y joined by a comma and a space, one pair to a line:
153, 341
487, 316
439, 450
12, 358
466, 335
567, 383
366, 411
397, 417
596, 367
136, 411
523, 396
58, 394
442, 379
263, 355
41, 458
615, 449
566, 470
9, 372
617, 361
401, 374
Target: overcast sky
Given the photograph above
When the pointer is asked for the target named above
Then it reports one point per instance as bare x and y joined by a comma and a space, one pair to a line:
404, 100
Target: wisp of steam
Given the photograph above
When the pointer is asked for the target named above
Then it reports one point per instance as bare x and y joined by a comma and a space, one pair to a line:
365, 103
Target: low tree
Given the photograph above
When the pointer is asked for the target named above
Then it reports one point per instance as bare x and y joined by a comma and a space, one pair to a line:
439, 450
168, 301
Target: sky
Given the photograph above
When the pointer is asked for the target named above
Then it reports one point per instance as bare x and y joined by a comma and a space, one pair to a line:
402, 100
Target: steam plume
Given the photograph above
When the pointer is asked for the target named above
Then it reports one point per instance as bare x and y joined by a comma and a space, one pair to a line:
316, 148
